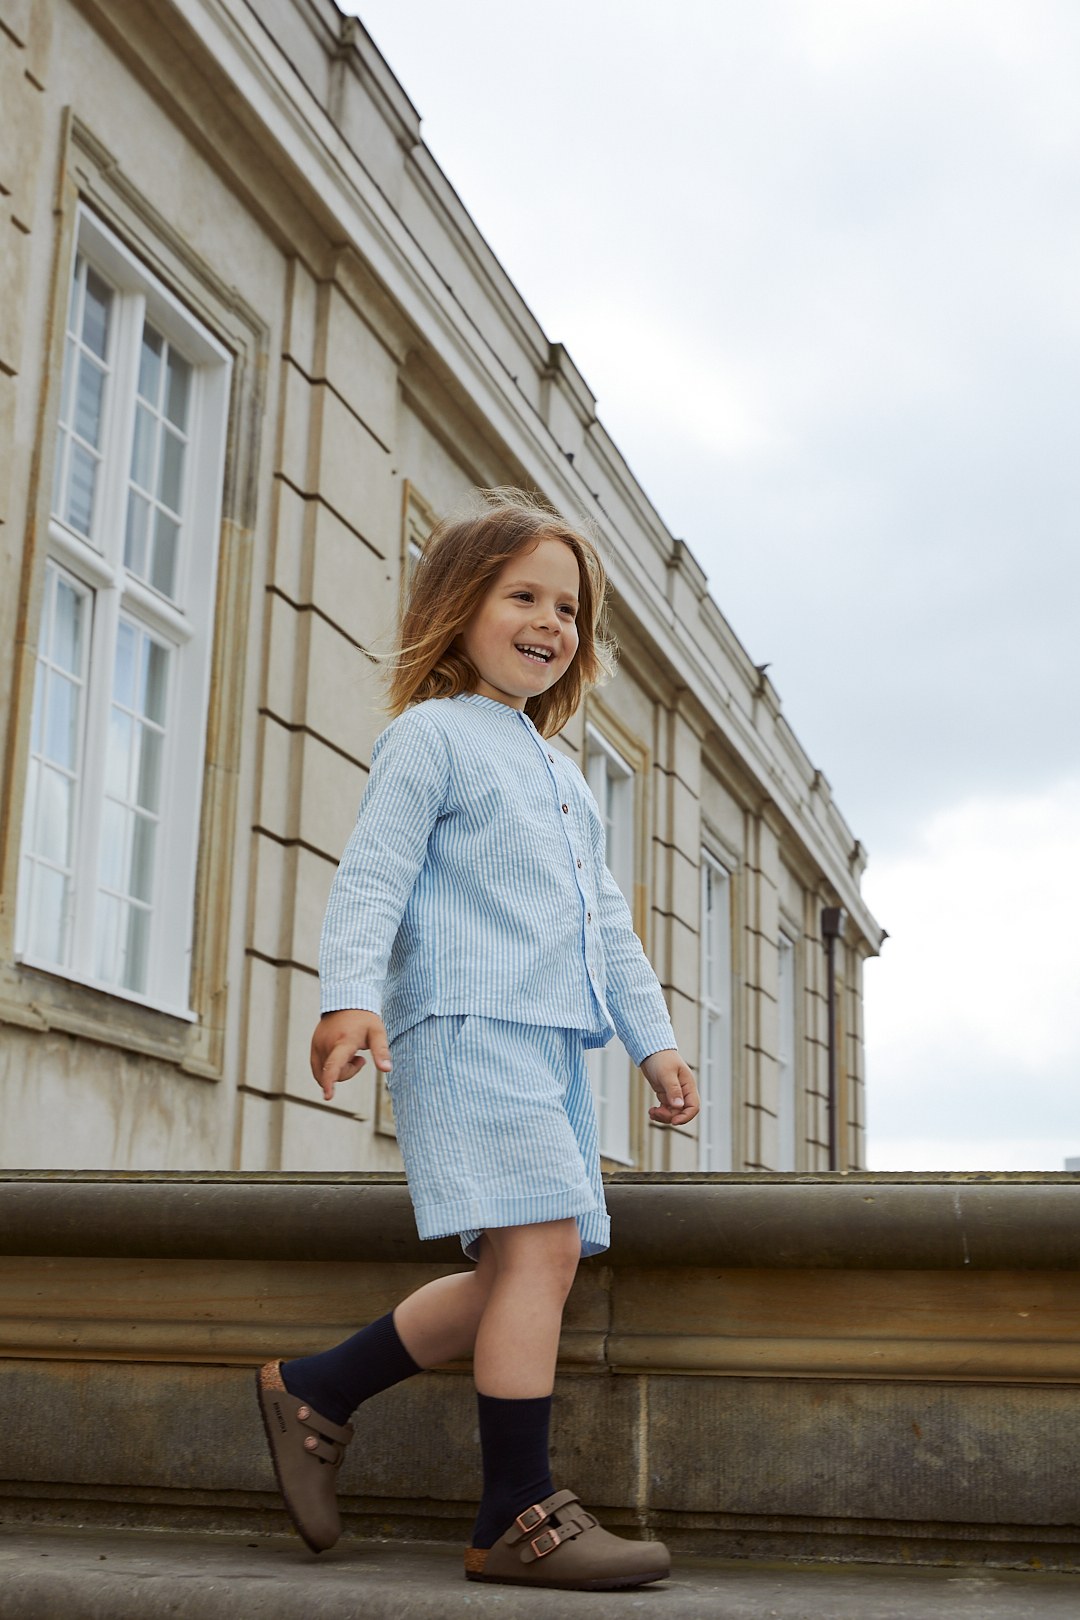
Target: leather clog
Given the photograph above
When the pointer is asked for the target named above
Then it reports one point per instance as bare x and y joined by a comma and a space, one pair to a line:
307, 1450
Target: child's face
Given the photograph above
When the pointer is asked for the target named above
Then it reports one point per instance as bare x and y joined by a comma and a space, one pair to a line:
532, 601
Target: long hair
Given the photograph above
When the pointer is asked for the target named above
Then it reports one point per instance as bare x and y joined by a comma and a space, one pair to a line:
450, 580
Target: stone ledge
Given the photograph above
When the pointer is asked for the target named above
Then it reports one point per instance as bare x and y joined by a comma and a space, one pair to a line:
841, 1221
108, 1575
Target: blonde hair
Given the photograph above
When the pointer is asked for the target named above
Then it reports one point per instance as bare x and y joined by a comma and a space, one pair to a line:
450, 580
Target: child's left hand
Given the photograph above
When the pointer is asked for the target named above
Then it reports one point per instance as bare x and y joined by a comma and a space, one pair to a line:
675, 1086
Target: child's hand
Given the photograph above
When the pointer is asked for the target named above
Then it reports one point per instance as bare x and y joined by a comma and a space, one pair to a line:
337, 1042
675, 1086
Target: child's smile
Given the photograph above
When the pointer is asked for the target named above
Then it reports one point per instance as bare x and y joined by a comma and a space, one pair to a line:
524, 635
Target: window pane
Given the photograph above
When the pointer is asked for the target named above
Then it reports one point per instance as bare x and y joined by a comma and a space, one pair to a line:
115, 831
70, 362
171, 472
73, 301
47, 895
107, 940
163, 572
177, 390
137, 949
95, 332
138, 513
59, 465
118, 753
147, 789
62, 716
155, 672
142, 449
82, 481
150, 365
53, 816
88, 401
37, 719
142, 859
124, 672
67, 628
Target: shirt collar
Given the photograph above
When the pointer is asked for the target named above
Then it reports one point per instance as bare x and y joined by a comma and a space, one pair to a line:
478, 699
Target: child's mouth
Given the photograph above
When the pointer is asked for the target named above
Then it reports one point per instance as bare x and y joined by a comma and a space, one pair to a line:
534, 655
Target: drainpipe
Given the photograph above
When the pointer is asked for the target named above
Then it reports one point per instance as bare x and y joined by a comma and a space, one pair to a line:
832, 929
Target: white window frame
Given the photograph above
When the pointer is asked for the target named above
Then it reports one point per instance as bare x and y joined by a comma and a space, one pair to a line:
183, 623
716, 1144
787, 1078
613, 781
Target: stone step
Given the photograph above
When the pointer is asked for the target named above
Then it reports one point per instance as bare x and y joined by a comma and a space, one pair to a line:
50, 1574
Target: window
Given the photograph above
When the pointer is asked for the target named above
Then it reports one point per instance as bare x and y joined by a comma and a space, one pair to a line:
715, 1147
418, 520
786, 1104
110, 824
612, 782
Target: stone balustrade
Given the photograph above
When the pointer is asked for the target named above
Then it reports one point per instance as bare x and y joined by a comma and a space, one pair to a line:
880, 1367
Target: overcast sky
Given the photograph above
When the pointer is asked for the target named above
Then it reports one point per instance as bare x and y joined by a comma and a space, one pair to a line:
820, 263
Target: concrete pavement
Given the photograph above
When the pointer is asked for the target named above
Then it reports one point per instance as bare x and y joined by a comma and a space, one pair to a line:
85, 1574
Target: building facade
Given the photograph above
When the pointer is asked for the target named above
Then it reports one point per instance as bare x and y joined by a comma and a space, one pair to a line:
251, 346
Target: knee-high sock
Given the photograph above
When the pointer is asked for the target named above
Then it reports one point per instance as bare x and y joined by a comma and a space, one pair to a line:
517, 1473
336, 1381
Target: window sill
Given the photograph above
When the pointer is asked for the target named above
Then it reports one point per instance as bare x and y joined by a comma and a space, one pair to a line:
37, 998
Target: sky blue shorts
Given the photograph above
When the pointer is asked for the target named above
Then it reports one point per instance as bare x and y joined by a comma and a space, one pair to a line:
497, 1127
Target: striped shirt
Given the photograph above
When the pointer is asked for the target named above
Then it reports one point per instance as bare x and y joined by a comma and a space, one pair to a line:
475, 882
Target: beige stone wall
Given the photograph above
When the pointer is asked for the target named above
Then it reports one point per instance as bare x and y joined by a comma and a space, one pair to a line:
269, 170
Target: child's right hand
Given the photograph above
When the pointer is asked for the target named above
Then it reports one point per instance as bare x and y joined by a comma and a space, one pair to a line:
337, 1042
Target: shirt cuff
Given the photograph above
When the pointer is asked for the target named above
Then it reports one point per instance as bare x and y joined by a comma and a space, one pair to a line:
353, 997
655, 1038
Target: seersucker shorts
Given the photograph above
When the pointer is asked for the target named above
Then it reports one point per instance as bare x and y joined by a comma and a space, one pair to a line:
497, 1127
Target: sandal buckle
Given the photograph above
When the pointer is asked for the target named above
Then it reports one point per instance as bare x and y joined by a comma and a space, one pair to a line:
530, 1518
546, 1542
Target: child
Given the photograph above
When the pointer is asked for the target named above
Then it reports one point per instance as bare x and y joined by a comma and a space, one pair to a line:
475, 945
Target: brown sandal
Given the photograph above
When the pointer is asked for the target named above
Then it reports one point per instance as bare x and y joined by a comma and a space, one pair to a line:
307, 1450
557, 1543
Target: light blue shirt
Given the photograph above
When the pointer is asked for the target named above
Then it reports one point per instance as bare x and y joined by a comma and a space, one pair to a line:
475, 882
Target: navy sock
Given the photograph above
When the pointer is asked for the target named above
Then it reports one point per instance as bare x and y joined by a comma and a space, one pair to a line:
517, 1473
336, 1381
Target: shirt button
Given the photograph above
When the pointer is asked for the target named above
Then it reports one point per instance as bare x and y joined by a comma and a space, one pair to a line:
579, 863
566, 809
588, 916
552, 758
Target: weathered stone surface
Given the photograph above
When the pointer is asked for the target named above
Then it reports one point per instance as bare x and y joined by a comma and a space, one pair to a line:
893, 1452
138, 1576
908, 1413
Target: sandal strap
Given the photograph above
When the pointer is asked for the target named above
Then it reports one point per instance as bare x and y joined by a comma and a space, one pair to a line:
328, 1450
553, 1535
529, 1521
320, 1425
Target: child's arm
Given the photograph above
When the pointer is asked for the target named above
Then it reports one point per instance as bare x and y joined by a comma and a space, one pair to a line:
410, 772
636, 1001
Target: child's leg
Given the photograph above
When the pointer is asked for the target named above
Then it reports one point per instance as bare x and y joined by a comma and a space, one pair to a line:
438, 1323
514, 1364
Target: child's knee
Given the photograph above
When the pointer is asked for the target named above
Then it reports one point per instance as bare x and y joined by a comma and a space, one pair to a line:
546, 1253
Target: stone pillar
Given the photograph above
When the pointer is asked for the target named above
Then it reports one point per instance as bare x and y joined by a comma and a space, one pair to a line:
758, 1063
674, 883
331, 601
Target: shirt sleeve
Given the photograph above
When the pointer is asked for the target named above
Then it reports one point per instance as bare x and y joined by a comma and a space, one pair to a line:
634, 997
410, 773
